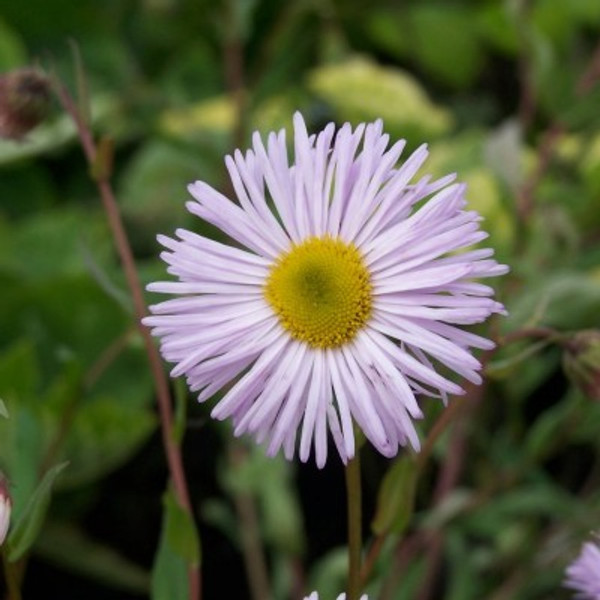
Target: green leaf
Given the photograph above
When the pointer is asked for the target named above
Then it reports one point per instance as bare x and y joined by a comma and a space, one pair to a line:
500, 369
30, 522
546, 297
12, 49
182, 535
105, 432
22, 436
3, 409
152, 190
395, 500
455, 57
65, 545
360, 90
270, 481
54, 242
19, 373
389, 30
179, 547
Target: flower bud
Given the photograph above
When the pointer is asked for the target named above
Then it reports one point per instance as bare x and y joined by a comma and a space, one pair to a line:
581, 361
24, 101
5, 507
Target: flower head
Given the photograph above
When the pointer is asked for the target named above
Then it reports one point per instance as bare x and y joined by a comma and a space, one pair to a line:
583, 574
5, 509
342, 299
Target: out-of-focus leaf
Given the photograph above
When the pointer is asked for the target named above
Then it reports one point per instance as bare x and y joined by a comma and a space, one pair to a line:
25, 189
359, 90
553, 292
330, 572
54, 134
395, 499
19, 374
464, 581
283, 526
549, 429
153, 191
66, 546
270, 481
453, 29
54, 242
219, 515
452, 505
496, 24
192, 74
27, 527
182, 534
58, 331
3, 409
105, 432
178, 548
12, 49
214, 114
500, 369
554, 18
390, 31
22, 436
534, 500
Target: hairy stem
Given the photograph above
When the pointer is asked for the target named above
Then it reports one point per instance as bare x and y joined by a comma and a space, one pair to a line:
102, 179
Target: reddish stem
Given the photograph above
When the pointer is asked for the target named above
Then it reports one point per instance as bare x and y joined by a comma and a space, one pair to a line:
172, 450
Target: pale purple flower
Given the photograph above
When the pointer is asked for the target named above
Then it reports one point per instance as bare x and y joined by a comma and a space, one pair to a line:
342, 293
583, 574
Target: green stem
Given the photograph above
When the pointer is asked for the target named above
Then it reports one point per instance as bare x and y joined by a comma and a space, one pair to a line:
353, 490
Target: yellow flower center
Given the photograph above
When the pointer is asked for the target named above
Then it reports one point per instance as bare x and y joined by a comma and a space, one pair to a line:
321, 292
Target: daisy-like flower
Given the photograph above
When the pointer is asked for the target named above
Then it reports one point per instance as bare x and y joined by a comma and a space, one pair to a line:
339, 299
315, 596
583, 574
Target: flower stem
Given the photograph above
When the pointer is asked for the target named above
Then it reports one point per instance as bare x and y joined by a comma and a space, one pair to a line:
353, 490
98, 157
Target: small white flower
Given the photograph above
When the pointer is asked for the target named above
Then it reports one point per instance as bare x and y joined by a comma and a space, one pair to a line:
5, 508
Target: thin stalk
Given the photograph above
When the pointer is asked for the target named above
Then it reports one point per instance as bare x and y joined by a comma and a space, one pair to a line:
354, 496
101, 176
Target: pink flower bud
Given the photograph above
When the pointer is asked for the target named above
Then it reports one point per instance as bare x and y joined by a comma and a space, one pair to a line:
5, 507
24, 101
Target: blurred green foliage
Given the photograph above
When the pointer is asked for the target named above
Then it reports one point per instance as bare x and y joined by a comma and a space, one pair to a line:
481, 82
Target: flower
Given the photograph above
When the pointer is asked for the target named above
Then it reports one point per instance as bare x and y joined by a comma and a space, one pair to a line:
315, 596
342, 299
5, 508
583, 574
